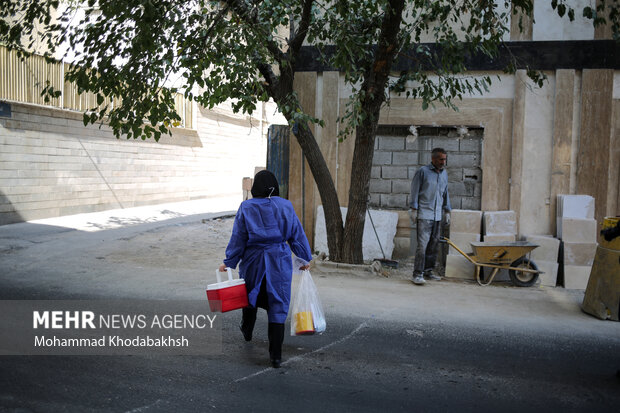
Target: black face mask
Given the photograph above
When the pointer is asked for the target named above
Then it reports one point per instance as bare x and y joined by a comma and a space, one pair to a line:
265, 185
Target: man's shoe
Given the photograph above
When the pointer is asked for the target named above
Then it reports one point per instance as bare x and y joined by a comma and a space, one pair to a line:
275, 363
418, 280
432, 276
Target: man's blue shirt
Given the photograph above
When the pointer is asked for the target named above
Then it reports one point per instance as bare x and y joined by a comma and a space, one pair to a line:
429, 193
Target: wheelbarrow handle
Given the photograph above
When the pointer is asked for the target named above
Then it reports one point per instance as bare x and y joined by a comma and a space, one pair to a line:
464, 254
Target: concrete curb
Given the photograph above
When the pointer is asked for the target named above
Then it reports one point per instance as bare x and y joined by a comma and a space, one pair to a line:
341, 269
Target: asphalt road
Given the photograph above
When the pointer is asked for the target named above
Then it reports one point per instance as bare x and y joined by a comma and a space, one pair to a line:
365, 364
389, 346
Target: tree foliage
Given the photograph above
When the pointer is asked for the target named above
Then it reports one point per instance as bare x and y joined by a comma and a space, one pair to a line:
248, 51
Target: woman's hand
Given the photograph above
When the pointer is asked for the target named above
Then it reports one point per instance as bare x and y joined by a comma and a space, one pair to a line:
304, 267
222, 268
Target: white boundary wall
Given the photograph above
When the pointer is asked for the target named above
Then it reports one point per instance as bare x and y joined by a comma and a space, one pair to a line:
52, 165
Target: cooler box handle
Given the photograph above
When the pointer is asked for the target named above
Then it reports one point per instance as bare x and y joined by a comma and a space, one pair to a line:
219, 277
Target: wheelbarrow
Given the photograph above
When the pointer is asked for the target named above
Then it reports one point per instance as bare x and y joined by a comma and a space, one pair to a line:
509, 256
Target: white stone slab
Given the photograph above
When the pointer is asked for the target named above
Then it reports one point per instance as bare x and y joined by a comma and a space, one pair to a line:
463, 241
385, 224
575, 206
576, 276
548, 247
458, 266
577, 253
491, 238
550, 269
577, 230
500, 222
465, 221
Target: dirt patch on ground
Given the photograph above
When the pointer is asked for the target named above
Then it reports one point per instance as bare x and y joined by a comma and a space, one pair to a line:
199, 245
195, 245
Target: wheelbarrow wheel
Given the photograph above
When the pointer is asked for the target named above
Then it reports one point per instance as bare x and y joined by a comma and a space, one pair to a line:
522, 278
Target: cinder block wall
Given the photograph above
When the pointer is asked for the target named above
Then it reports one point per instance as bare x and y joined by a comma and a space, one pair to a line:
398, 155
52, 165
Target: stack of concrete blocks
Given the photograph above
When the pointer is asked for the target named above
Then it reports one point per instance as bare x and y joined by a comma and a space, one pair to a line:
499, 227
545, 257
247, 188
464, 229
577, 230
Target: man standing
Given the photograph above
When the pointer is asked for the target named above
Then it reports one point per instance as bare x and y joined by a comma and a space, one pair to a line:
429, 200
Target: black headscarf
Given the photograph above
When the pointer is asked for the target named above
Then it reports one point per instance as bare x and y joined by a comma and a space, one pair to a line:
265, 185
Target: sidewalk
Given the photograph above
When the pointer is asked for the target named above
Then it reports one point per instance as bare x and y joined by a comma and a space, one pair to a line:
170, 251
118, 218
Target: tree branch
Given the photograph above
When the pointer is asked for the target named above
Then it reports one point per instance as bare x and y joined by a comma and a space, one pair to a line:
251, 18
269, 75
387, 48
300, 36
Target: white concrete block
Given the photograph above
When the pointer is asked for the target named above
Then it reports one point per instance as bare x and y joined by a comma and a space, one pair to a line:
247, 183
550, 269
499, 238
465, 221
458, 266
500, 222
462, 240
575, 206
548, 247
576, 276
577, 253
385, 223
402, 246
577, 230
502, 275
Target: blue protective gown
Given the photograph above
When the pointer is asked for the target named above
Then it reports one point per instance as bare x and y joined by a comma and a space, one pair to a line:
263, 230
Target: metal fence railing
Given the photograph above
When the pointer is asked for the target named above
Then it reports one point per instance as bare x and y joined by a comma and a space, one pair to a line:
23, 80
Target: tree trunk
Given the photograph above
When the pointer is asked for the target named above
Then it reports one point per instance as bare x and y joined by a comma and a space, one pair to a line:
374, 85
280, 91
327, 191
345, 243
358, 193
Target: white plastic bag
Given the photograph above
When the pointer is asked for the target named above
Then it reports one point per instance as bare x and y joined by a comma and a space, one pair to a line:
307, 315
298, 263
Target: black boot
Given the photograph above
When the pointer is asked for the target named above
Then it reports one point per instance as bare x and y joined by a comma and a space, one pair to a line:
275, 332
247, 322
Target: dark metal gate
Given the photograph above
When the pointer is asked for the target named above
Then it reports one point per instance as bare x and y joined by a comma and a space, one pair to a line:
278, 144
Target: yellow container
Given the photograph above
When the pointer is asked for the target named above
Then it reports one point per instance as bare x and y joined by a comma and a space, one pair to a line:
304, 323
614, 244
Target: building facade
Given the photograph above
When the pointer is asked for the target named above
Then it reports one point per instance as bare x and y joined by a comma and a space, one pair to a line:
514, 148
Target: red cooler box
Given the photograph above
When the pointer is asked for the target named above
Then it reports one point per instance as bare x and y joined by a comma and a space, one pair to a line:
227, 295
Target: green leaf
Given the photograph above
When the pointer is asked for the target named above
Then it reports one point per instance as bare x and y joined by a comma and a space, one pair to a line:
561, 10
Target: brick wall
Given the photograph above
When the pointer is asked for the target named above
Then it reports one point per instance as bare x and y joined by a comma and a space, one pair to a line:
51, 165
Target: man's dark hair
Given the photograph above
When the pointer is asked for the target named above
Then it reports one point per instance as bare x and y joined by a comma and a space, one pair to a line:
437, 151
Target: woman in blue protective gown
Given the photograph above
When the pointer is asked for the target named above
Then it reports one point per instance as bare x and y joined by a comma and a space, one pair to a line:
265, 231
